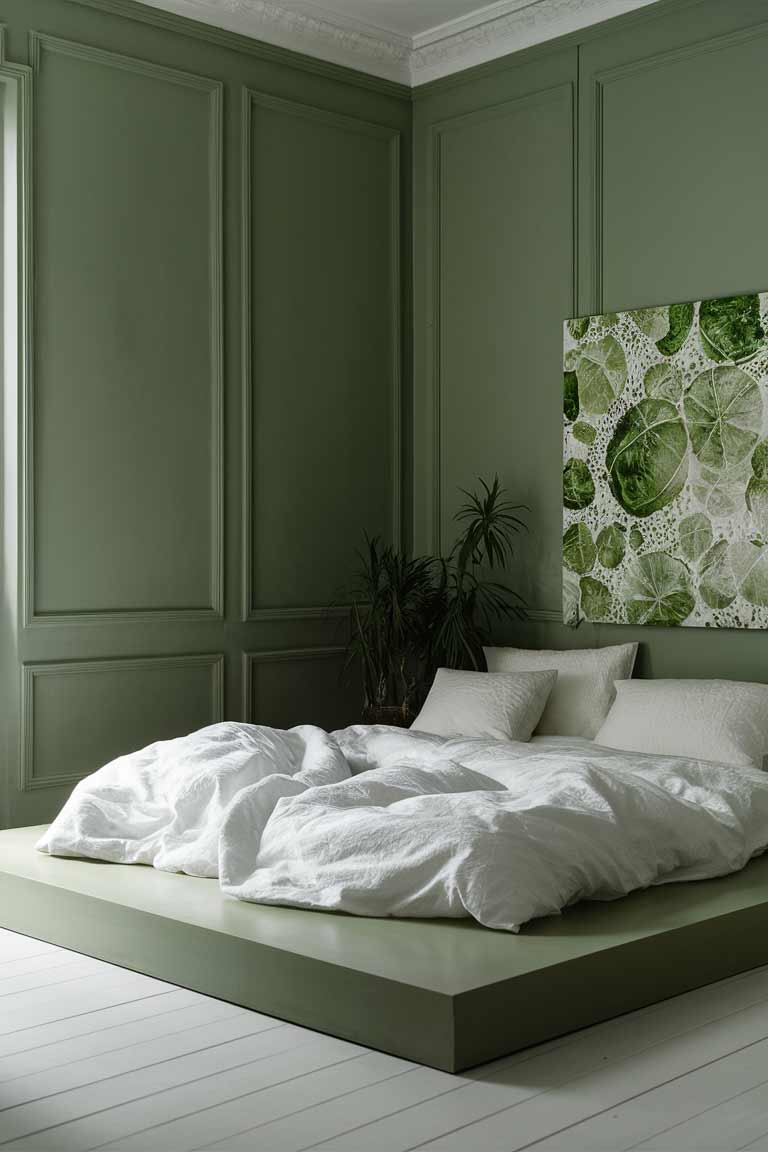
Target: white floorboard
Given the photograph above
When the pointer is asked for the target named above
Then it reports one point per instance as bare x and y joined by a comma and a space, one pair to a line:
94, 1056
92, 1020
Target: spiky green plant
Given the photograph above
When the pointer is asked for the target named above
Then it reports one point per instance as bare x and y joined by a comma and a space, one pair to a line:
411, 615
471, 602
391, 609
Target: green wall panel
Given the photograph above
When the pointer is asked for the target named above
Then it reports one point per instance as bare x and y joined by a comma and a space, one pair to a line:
77, 716
126, 406
131, 482
502, 245
301, 686
677, 167
619, 166
322, 382
662, 170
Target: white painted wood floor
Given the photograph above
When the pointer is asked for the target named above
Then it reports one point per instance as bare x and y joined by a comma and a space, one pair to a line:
94, 1056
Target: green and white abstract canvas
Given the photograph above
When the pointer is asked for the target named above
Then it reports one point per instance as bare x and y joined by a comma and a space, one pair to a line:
665, 479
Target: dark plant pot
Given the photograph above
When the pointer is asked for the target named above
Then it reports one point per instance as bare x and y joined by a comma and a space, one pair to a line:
388, 714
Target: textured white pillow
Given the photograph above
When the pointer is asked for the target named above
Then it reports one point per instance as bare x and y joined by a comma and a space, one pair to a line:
584, 690
721, 720
501, 706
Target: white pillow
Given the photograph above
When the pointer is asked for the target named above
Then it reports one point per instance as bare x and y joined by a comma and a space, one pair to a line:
584, 690
721, 720
501, 706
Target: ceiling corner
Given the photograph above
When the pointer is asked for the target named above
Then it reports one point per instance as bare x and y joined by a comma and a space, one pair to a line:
333, 30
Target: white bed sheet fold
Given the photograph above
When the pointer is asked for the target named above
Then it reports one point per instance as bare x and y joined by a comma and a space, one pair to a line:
383, 822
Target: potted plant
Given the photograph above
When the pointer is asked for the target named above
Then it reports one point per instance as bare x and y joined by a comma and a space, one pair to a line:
412, 615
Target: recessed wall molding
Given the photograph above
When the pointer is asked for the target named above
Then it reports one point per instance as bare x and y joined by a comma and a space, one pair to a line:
333, 653
251, 99
600, 89
437, 135
331, 612
484, 33
32, 674
16, 121
40, 45
328, 36
545, 615
502, 28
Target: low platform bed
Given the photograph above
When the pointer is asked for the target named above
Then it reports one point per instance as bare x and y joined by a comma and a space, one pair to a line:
449, 994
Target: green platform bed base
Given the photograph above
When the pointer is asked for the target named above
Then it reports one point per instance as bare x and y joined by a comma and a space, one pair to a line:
449, 994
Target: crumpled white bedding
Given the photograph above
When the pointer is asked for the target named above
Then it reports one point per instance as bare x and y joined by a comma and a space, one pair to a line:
379, 821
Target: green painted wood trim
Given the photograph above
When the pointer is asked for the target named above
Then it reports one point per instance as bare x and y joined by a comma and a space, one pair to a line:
545, 615
21, 75
32, 672
594, 115
282, 655
436, 132
250, 98
17, 80
331, 612
185, 26
540, 52
40, 43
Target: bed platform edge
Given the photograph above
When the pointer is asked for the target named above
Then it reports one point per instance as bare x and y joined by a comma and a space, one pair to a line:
409, 1022
580, 992
448, 994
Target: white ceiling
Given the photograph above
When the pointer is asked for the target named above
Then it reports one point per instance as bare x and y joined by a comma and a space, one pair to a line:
410, 41
401, 17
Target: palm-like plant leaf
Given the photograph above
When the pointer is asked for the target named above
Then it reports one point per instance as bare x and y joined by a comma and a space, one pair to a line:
411, 615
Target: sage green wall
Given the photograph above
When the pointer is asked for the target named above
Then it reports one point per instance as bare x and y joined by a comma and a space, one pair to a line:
217, 395
219, 271
622, 167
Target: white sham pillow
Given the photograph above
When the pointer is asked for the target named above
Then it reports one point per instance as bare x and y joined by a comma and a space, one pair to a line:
721, 720
499, 706
584, 691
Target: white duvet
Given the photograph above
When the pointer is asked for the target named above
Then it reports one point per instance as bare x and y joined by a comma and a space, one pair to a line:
381, 822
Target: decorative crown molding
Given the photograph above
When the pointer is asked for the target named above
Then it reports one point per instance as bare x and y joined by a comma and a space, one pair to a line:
502, 28
488, 32
334, 40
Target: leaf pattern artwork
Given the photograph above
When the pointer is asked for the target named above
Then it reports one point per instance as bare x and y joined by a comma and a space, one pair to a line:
647, 458
653, 322
657, 590
601, 371
757, 502
584, 432
760, 460
717, 583
570, 396
695, 535
731, 328
665, 454
578, 327
663, 382
595, 598
749, 560
724, 414
720, 492
611, 545
578, 485
757, 489
680, 321
579, 551
571, 598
